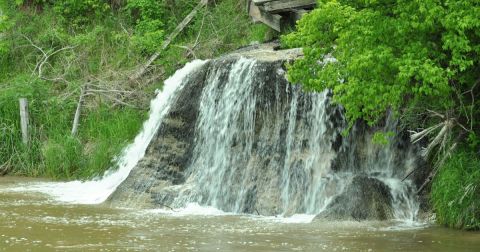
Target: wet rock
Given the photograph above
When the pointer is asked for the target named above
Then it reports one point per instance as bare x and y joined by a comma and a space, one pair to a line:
365, 198
170, 151
280, 152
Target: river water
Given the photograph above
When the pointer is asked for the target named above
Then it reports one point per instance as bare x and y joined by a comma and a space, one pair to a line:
33, 222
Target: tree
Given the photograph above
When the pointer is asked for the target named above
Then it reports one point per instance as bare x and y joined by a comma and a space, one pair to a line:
417, 58
379, 55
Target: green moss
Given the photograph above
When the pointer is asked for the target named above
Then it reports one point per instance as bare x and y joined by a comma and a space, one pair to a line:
456, 192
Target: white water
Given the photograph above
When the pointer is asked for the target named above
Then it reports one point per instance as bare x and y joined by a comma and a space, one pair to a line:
218, 129
233, 160
98, 190
278, 159
189, 210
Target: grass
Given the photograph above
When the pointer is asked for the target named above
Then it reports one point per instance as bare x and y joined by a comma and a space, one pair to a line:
102, 51
456, 192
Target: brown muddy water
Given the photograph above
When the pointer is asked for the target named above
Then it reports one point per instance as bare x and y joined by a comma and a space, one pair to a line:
32, 222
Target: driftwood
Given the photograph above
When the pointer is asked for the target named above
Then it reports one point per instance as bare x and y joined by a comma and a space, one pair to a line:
141, 71
78, 111
24, 119
410, 173
169, 207
5, 166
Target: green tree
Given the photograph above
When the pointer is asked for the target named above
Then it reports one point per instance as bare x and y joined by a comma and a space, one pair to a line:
417, 58
379, 55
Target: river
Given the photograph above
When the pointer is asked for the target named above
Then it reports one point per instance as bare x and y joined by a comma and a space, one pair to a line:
34, 222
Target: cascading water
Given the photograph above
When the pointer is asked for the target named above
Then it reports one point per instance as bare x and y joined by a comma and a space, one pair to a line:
235, 135
261, 145
98, 190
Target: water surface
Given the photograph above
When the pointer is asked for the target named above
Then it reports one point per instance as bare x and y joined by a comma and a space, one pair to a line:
32, 222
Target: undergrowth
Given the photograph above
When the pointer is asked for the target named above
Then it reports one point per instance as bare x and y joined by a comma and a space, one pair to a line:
456, 192
50, 50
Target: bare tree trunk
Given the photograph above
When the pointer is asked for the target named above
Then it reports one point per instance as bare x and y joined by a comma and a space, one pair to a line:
76, 118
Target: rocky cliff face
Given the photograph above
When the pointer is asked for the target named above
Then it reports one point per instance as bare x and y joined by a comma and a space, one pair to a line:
239, 137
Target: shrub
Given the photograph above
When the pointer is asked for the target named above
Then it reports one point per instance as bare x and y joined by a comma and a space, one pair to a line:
79, 13
148, 18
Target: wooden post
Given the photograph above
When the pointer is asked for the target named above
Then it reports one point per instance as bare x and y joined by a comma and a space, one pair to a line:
76, 118
24, 119
286, 5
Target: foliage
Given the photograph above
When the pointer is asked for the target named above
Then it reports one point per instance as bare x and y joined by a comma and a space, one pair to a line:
148, 17
382, 138
456, 192
75, 56
77, 14
379, 55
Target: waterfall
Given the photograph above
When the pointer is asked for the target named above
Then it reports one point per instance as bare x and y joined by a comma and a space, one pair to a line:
98, 190
264, 146
233, 134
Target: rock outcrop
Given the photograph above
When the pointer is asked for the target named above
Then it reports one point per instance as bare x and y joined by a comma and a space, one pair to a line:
239, 137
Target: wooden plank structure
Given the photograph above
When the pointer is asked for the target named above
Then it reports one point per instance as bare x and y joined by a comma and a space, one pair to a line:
279, 13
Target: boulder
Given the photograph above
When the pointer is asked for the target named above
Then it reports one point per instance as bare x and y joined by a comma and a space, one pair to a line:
365, 198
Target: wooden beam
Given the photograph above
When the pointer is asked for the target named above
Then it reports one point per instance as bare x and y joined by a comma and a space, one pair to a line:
298, 14
286, 5
24, 119
261, 2
272, 20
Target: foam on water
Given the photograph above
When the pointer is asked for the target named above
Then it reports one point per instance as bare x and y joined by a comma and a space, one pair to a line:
188, 210
98, 190
194, 209
296, 218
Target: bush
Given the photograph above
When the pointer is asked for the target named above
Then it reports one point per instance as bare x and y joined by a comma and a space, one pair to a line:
456, 192
79, 13
148, 17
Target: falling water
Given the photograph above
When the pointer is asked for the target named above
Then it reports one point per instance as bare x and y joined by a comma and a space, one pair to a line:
276, 156
99, 189
260, 145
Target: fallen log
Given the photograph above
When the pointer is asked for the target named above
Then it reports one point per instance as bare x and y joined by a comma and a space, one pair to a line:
139, 73
78, 111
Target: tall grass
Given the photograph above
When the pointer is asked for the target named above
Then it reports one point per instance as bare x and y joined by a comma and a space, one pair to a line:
456, 192
52, 151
